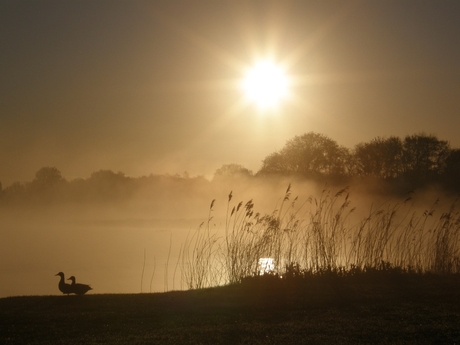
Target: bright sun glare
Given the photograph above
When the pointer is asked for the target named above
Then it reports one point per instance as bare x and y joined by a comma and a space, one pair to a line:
266, 266
265, 84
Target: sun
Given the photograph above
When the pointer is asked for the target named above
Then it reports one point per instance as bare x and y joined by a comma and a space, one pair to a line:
265, 84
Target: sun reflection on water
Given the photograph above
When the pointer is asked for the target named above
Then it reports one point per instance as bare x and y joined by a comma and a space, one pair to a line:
266, 266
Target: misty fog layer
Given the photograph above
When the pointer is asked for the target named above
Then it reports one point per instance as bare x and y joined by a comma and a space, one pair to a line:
133, 244
103, 243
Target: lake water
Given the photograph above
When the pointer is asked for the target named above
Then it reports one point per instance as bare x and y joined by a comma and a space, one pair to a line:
113, 257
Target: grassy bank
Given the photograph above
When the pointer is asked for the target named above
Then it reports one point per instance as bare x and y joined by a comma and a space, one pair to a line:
385, 307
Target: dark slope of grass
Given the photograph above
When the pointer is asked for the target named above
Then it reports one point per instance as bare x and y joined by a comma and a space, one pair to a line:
389, 309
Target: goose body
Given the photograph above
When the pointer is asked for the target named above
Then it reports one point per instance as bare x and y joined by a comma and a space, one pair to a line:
78, 289
63, 286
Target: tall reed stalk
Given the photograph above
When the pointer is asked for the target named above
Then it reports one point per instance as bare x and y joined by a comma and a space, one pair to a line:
198, 255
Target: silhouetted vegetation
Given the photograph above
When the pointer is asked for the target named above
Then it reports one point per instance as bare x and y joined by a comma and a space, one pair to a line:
232, 171
319, 237
102, 186
311, 155
416, 161
400, 165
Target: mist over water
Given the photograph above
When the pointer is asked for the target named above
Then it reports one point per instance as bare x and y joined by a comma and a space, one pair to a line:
102, 246
133, 245
104, 243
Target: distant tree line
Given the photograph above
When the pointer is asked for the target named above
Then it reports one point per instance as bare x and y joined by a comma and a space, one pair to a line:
402, 164
102, 186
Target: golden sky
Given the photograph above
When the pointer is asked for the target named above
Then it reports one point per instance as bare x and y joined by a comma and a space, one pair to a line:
153, 86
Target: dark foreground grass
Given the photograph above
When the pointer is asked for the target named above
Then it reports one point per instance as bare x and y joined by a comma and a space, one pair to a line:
378, 309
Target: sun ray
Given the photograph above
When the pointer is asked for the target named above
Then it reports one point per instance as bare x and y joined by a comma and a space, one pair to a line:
197, 39
313, 39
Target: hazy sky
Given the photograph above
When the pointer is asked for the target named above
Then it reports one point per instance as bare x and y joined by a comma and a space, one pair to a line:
152, 86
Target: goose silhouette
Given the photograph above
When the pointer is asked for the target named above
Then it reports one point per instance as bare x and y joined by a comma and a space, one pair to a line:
63, 286
78, 289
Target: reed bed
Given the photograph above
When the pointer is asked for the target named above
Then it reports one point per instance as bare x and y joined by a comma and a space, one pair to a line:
321, 234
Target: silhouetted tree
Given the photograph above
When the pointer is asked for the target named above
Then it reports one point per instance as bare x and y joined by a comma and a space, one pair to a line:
273, 163
14, 192
232, 170
108, 184
46, 178
380, 157
451, 174
311, 155
107, 176
424, 158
